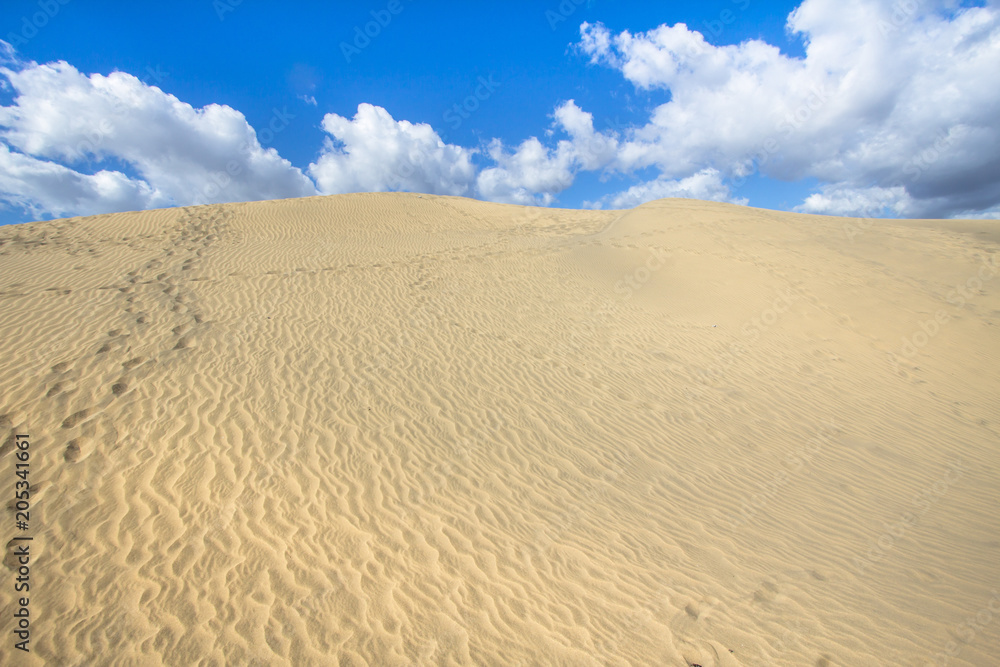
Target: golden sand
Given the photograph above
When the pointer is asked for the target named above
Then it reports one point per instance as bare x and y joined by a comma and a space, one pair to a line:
393, 429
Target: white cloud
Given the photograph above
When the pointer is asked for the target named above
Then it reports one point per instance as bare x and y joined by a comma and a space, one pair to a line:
46, 188
375, 153
707, 184
534, 174
858, 202
63, 122
890, 95
892, 110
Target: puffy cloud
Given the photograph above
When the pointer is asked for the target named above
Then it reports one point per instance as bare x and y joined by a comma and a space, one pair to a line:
888, 105
63, 122
706, 184
534, 174
890, 109
858, 202
375, 153
46, 188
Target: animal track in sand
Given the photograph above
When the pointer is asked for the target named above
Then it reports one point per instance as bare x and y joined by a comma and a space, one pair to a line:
77, 449
767, 592
132, 363
76, 418
8, 444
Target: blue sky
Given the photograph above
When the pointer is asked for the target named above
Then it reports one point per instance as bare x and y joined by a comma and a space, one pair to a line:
626, 104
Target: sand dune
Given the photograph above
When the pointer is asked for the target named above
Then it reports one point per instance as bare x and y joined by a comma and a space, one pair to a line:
392, 429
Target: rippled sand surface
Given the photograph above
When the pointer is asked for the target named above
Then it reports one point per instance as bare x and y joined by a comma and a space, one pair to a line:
392, 429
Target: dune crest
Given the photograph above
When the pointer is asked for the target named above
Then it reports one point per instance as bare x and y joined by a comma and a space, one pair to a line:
402, 430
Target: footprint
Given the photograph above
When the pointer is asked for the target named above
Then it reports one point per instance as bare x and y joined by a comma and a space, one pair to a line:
77, 449
60, 367
8, 444
76, 418
104, 348
132, 363
182, 343
119, 388
54, 389
766, 593
141, 319
114, 332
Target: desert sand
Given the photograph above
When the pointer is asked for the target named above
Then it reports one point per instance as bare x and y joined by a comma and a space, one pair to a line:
393, 429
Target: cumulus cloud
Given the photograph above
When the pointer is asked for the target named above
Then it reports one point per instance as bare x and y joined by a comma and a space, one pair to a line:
860, 202
535, 174
888, 107
891, 110
46, 188
62, 123
707, 184
375, 153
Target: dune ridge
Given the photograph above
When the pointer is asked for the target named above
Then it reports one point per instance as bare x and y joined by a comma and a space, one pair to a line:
404, 429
